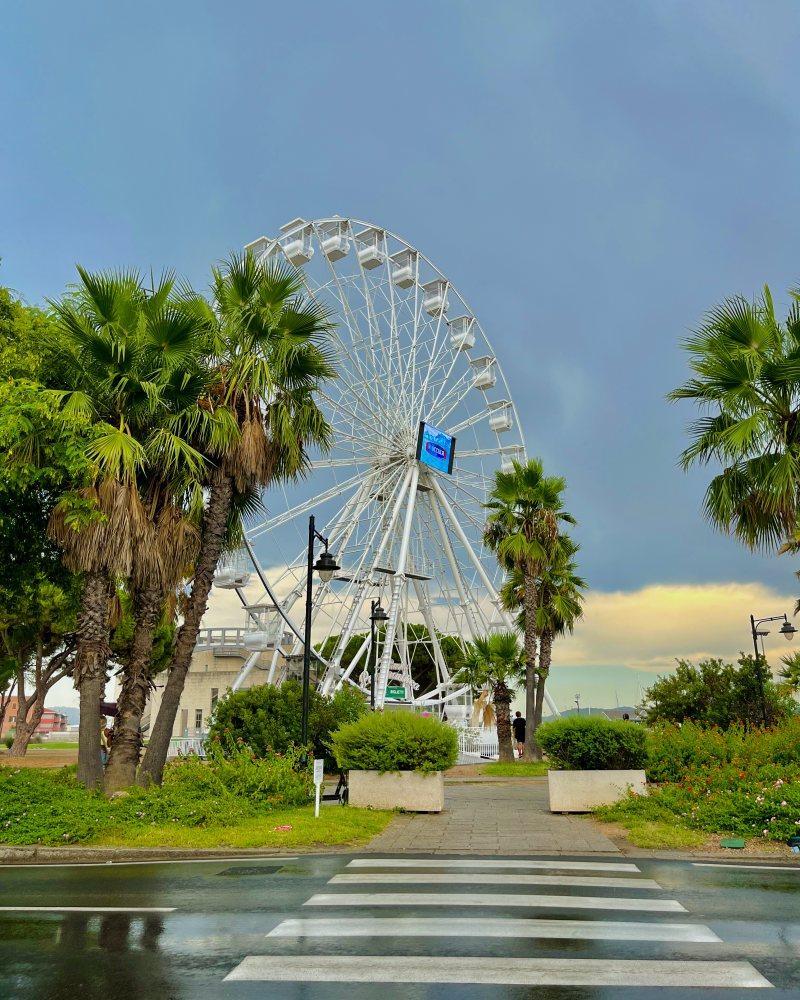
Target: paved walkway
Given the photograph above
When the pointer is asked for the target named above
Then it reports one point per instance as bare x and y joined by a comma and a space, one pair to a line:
492, 818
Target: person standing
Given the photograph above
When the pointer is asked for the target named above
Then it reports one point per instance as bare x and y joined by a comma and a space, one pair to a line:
518, 725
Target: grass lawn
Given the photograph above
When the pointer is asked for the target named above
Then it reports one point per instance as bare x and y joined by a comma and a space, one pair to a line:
659, 835
53, 745
336, 826
519, 769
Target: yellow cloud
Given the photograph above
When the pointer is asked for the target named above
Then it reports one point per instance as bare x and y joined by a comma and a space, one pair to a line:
647, 629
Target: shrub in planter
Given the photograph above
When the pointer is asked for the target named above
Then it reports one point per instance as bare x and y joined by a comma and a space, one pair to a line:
395, 741
593, 743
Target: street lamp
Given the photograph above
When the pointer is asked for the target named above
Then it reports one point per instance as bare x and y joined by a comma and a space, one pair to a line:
377, 614
787, 630
326, 566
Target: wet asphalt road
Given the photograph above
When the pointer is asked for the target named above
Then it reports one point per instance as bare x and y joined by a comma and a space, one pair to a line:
177, 930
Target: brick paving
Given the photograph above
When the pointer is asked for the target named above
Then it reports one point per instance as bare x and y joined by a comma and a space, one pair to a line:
497, 817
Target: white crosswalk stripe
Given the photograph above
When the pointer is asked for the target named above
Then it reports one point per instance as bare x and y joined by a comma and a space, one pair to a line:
501, 927
449, 864
435, 878
482, 878
493, 971
501, 899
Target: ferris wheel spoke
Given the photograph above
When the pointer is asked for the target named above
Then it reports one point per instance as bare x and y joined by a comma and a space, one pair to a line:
367, 377
302, 508
456, 395
419, 397
468, 422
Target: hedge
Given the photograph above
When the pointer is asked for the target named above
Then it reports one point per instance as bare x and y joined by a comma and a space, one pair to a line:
395, 741
592, 743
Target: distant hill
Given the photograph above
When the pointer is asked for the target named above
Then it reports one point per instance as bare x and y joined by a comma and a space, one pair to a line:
609, 713
72, 713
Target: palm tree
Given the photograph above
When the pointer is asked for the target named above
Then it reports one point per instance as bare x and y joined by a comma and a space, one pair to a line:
525, 511
560, 606
130, 363
790, 673
746, 367
269, 354
495, 663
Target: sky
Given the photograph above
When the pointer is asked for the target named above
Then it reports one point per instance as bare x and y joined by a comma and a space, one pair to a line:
592, 176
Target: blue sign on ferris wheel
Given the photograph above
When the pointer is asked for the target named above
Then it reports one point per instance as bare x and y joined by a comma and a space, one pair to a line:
435, 448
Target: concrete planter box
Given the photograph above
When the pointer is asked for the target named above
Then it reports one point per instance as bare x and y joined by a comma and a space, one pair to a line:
583, 791
411, 790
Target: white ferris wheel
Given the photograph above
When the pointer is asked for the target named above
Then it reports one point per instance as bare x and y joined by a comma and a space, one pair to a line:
422, 417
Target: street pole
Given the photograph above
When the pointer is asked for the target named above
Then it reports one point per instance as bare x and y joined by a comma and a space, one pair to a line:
372, 655
759, 673
307, 637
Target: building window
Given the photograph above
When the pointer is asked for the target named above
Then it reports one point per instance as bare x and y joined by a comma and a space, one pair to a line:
198, 718
214, 698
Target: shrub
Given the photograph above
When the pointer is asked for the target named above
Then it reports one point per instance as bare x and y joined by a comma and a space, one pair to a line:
395, 741
268, 718
593, 743
50, 807
9, 742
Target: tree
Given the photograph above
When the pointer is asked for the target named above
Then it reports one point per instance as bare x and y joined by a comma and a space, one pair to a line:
41, 456
790, 673
746, 382
715, 693
526, 509
267, 718
559, 608
268, 345
38, 639
130, 364
496, 662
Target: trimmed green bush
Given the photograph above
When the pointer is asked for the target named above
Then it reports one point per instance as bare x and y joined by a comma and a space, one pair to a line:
395, 741
267, 718
592, 743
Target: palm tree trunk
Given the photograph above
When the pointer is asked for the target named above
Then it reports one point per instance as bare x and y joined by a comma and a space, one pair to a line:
545, 659
126, 743
532, 751
89, 674
502, 702
215, 525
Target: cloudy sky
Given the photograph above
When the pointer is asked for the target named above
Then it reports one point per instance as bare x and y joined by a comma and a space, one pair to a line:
592, 176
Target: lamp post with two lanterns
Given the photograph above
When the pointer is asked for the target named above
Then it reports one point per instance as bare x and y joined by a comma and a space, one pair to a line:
787, 630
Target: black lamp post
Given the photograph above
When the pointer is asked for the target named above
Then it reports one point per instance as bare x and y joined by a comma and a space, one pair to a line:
377, 614
326, 566
787, 630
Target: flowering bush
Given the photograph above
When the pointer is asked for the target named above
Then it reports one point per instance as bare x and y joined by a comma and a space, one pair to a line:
731, 782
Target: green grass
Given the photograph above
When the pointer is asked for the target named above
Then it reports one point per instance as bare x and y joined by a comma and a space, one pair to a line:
53, 745
336, 826
654, 834
520, 769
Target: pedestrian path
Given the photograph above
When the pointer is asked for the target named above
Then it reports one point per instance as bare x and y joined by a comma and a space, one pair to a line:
493, 818
459, 921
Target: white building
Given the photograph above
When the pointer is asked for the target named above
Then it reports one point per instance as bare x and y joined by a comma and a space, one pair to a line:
217, 661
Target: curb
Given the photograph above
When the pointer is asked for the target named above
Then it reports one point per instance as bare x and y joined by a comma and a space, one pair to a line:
118, 855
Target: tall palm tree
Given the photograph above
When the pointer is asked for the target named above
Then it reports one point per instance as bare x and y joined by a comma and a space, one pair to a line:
495, 663
269, 352
746, 366
526, 509
130, 362
560, 606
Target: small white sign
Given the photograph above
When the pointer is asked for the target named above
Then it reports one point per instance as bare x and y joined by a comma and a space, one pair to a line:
318, 777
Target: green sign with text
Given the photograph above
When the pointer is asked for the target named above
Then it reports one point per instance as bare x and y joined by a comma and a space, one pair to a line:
392, 691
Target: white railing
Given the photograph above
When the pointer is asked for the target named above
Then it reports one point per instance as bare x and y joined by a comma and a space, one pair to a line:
233, 637
474, 742
184, 745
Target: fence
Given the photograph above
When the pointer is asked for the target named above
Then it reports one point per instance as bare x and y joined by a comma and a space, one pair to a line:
184, 745
474, 742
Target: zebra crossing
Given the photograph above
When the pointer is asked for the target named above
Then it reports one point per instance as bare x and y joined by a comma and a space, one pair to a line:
607, 904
